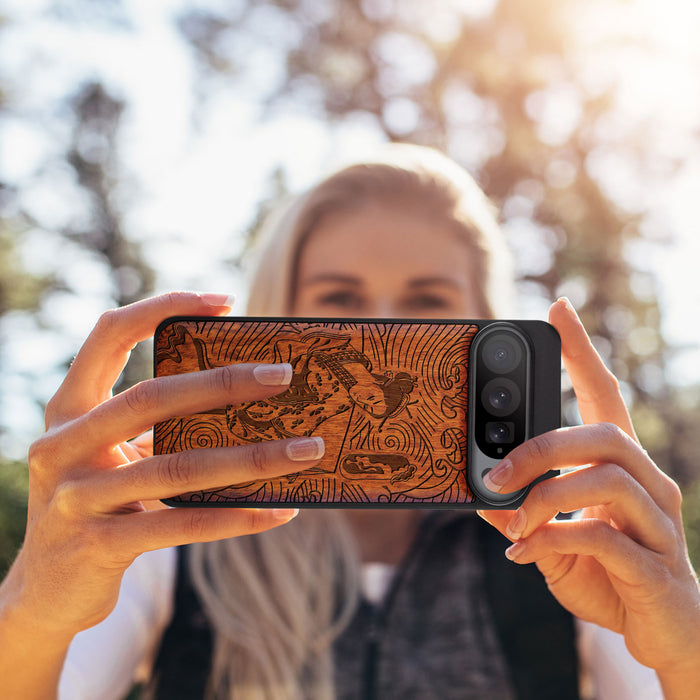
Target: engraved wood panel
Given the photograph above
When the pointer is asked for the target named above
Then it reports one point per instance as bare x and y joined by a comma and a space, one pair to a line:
389, 400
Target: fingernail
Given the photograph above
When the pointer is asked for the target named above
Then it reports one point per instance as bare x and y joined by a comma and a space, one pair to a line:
498, 477
285, 514
218, 300
273, 375
305, 449
515, 550
516, 525
569, 306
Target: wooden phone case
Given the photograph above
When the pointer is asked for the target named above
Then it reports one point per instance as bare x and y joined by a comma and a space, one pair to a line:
389, 398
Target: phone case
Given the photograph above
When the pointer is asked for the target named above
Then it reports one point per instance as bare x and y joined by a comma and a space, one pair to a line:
390, 398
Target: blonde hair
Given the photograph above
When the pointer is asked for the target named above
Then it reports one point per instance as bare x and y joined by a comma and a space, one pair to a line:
277, 600
416, 176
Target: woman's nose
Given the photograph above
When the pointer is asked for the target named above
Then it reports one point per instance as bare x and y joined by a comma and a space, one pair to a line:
383, 308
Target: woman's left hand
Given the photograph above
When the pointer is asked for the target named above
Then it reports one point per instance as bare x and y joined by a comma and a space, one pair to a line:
623, 564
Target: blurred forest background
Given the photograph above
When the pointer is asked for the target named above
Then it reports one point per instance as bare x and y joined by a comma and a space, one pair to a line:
580, 119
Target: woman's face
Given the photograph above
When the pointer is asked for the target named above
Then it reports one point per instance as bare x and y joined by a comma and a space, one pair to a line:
385, 261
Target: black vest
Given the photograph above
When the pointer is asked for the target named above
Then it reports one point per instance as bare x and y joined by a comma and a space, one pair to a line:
534, 634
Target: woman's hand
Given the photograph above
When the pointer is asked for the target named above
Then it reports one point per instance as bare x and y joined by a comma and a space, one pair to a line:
623, 564
88, 513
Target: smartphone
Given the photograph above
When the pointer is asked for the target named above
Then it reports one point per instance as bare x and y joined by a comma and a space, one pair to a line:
413, 413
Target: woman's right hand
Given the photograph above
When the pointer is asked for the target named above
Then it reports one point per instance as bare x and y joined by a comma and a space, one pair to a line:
88, 516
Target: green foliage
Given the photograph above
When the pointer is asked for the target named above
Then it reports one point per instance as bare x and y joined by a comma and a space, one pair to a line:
18, 289
93, 155
691, 521
14, 484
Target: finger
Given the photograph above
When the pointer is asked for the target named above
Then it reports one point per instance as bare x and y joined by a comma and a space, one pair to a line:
102, 357
140, 407
156, 529
583, 444
614, 550
596, 388
138, 448
165, 476
606, 486
497, 518
131, 452
143, 444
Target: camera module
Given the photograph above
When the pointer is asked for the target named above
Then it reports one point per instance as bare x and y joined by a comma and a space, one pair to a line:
501, 389
504, 359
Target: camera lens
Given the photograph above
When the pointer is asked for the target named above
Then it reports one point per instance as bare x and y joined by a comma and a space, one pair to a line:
500, 396
502, 353
499, 432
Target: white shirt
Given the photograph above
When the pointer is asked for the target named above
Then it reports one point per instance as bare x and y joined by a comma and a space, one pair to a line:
104, 661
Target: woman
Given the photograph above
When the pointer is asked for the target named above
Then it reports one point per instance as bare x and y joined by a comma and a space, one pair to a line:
409, 236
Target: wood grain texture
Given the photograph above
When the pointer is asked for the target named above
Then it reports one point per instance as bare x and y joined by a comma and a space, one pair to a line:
389, 399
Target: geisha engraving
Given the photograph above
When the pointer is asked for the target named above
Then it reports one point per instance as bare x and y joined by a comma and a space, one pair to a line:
330, 377
389, 399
